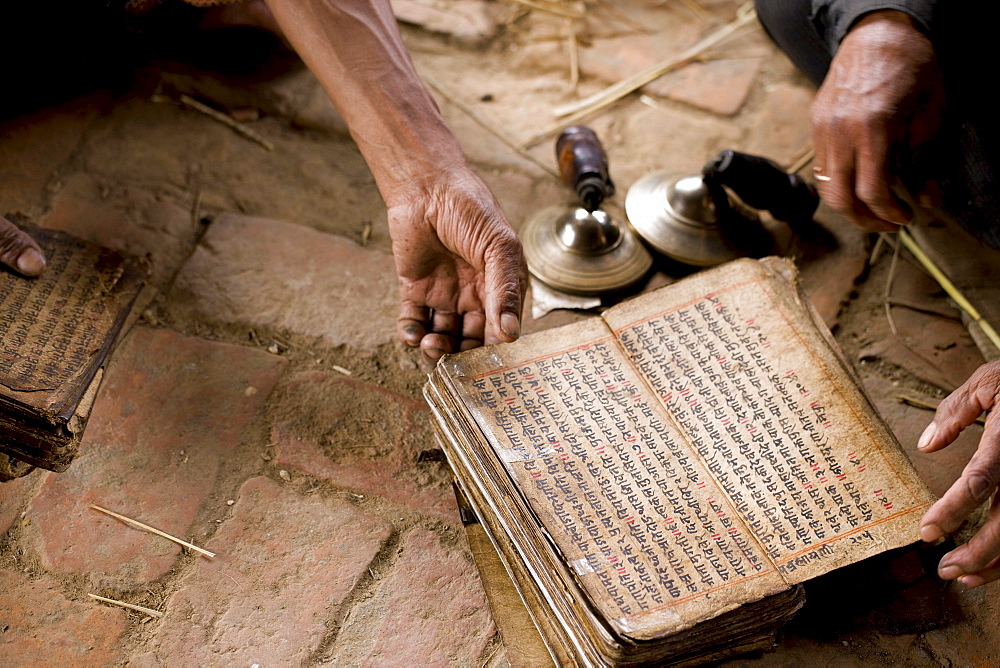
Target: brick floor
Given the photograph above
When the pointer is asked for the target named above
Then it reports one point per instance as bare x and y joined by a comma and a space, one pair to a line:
266, 273
126, 218
363, 437
31, 151
285, 565
39, 626
431, 606
14, 496
173, 412
779, 133
334, 541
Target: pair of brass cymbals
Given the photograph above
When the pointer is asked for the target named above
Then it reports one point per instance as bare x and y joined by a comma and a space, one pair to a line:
581, 252
700, 220
691, 219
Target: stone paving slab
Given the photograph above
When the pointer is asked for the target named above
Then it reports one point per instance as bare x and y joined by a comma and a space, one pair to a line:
14, 496
430, 611
363, 437
39, 626
778, 130
31, 151
266, 273
285, 566
128, 219
174, 409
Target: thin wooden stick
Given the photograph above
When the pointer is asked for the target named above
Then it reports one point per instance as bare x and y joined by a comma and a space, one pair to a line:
949, 287
486, 125
148, 611
225, 120
887, 294
619, 90
806, 157
152, 530
574, 55
558, 10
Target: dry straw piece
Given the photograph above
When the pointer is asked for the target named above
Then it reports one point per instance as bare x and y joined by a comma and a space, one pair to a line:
139, 608
949, 287
574, 112
189, 101
150, 529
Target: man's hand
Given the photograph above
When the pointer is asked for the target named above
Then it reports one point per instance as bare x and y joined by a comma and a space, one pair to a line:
461, 270
977, 562
880, 101
19, 251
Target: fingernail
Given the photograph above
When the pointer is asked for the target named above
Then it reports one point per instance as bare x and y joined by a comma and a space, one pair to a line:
930, 533
435, 353
30, 262
510, 324
925, 438
950, 572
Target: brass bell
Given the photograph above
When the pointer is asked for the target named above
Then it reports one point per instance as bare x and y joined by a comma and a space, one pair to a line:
582, 249
583, 252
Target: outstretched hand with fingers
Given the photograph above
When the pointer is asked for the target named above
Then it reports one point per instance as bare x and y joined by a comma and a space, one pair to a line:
461, 270
978, 561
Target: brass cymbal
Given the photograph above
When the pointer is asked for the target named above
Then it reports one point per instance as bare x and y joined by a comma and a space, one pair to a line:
677, 216
582, 252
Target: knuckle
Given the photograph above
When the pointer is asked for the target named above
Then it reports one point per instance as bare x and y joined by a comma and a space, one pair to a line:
838, 200
12, 243
874, 196
979, 484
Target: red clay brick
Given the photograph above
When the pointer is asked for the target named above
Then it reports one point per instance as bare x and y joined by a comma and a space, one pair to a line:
34, 147
172, 411
285, 565
431, 610
13, 496
720, 86
781, 130
363, 437
267, 273
126, 218
39, 626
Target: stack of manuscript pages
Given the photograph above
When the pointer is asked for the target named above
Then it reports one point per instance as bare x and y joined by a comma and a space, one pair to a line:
56, 333
657, 482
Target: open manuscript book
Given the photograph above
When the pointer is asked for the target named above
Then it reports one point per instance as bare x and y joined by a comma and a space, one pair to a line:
659, 480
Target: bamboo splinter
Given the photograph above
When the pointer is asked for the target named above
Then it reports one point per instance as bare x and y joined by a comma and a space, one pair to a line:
139, 608
949, 287
152, 530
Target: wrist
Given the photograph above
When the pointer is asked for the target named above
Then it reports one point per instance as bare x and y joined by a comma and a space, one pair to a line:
892, 19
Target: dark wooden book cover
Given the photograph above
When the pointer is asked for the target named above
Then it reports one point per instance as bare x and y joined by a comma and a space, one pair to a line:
56, 332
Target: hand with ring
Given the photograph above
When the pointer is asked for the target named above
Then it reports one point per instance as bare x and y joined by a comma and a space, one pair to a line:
882, 96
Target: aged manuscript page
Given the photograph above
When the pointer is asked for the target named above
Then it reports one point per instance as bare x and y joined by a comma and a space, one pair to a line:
700, 447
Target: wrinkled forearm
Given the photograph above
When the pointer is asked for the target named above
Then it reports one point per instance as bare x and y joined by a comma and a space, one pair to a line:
355, 50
